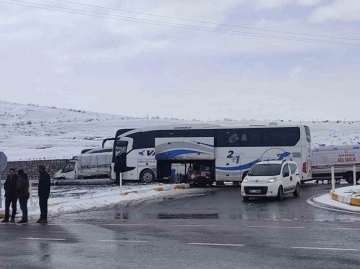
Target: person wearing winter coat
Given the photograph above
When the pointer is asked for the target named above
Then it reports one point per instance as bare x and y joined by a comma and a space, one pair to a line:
10, 195
22, 190
43, 193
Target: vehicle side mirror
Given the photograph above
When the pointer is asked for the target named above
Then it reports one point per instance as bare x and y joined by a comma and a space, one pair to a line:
286, 174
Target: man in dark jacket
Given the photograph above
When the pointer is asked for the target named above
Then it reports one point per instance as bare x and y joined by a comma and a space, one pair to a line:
22, 190
43, 193
10, 195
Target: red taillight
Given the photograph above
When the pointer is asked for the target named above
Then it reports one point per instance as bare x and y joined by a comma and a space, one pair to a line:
304, 168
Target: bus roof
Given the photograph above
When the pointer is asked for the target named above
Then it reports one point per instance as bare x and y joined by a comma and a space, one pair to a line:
200, 126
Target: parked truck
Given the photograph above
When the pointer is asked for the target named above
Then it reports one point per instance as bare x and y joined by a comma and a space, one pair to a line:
93, 163
343, 158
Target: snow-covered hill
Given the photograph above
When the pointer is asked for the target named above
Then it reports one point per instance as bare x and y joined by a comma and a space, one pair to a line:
35, 132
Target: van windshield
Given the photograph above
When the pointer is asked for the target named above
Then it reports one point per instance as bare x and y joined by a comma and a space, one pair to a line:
265, 170
69, 167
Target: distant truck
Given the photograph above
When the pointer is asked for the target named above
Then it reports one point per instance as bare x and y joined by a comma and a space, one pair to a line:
94, 163
342, 158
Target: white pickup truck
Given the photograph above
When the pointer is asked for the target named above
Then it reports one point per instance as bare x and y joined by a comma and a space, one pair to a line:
343, 158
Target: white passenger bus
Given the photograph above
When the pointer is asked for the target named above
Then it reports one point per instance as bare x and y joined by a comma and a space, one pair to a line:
208, 153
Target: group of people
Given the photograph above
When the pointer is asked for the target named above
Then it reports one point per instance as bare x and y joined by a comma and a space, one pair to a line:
17, 188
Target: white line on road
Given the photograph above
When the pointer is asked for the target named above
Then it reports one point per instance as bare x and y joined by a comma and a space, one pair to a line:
277, 227
346, 228
174, 225
194, 225
46, 239
125, 224
320, 248
216, 244
69, 224
124, 241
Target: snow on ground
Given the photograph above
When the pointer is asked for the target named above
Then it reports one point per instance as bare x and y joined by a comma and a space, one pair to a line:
29, 132
79, 198
351, 191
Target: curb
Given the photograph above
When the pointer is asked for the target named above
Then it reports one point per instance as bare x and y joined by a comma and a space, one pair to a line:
345, 199
311, 201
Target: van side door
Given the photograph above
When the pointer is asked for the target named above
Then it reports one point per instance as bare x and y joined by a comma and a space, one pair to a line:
294, 174
286, 175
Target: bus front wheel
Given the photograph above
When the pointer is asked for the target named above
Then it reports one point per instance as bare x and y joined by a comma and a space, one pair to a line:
147, 176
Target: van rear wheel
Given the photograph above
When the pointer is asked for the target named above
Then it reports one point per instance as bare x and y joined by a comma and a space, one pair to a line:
297, 190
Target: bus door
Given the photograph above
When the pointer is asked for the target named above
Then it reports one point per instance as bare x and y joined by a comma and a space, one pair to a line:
122, 147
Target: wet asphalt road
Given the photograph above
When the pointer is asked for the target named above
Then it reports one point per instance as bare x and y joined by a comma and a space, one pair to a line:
215, 230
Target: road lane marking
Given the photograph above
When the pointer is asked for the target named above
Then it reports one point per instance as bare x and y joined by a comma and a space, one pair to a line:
123, 241
277, 227
346, 228
194, 225
321, 248
125, 224
174, 225
45, 239
216, 244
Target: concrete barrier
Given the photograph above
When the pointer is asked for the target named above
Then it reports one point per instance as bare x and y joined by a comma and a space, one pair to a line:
345, 199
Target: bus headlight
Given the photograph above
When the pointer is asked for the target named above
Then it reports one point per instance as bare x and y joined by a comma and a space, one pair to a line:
272, 180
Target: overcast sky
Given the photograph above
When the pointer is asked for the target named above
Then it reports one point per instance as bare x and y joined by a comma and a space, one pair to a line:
158, 65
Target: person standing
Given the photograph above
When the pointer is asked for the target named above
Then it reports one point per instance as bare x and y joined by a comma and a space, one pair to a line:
22, 190
43, 193
10, 195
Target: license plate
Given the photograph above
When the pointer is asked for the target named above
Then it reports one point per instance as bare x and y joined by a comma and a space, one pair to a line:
255, 191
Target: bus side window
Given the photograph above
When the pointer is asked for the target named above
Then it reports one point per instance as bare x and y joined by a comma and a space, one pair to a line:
233, 139
253, 138
244, 138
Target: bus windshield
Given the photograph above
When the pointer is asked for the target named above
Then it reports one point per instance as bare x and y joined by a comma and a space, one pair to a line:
120, 147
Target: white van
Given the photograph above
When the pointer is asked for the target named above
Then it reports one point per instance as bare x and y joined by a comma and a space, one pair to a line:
271, 179
93, 163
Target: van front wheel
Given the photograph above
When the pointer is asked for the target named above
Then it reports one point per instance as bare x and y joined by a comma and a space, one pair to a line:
280, 193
